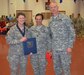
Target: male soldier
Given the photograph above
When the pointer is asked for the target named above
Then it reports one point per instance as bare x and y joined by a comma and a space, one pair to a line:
62, 35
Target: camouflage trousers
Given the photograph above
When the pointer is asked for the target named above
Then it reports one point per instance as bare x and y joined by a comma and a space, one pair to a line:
62, 62
39, 64
18, 64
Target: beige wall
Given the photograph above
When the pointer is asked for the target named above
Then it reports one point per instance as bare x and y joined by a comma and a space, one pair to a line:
3, 7
37, 7
82, 8
12, 7
69, 6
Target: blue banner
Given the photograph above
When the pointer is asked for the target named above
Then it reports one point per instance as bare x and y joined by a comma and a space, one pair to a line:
60, 1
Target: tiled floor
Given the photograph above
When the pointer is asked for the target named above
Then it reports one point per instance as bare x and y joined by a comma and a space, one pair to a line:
77, 66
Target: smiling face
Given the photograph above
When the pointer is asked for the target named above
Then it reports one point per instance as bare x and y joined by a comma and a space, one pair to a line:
53, 8
21, 19
38, 20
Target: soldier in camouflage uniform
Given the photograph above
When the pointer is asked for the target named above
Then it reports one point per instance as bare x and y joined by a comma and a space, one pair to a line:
62, 35
82, 31
15, 36
73, 19
79, 25
40, 32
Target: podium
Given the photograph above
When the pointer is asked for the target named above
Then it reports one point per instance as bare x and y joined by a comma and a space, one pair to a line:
30, 46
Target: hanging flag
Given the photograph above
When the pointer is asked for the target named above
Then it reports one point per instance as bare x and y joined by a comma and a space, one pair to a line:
36, 0
60, 1
75, 1
23, 0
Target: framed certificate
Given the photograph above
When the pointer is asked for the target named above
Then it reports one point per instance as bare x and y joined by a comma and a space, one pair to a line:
30, 46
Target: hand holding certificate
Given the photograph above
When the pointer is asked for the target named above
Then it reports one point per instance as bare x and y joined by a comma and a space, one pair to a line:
30, 46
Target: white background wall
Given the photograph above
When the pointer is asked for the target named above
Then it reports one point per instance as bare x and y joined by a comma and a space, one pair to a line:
3, 7
37, 7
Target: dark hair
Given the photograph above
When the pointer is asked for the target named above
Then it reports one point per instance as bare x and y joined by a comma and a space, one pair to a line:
39, 14
18, 14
